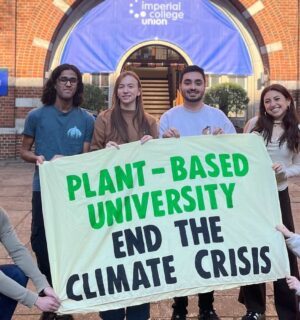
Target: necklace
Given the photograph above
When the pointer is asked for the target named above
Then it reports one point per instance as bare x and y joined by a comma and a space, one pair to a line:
277, 123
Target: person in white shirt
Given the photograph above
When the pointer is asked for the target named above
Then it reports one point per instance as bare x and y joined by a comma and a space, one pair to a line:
191, 119
278, 125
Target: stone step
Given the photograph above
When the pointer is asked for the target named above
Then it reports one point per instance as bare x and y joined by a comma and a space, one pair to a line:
156, 96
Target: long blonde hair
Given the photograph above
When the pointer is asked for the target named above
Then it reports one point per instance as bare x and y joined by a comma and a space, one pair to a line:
118, 123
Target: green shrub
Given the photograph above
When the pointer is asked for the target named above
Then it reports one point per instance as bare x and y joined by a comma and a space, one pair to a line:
228, 97
94, 98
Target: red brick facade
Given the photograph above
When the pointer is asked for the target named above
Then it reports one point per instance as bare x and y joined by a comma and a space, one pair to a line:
24, 21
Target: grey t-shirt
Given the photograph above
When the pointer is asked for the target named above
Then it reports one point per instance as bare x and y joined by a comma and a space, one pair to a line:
58, 133
192, 123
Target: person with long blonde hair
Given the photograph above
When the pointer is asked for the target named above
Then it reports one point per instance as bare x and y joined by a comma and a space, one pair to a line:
125, 122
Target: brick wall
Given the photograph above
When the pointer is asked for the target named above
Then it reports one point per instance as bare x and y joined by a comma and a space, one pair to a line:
24, 23
269, 26
7, 58
10, 146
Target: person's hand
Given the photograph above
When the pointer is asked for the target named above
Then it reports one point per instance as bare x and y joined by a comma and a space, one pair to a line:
48, 291
146, 138
57, 156
171, 133
112, 144
293, 283
284, 230
39, 160
217, 131
48, 304
279, 168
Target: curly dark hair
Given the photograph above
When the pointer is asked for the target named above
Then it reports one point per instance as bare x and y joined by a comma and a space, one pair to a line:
49, 91
290, 121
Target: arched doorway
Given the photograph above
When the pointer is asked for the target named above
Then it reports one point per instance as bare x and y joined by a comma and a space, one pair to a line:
158, 67
103, 52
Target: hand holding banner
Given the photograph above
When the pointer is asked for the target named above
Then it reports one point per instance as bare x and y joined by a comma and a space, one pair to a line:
172, 217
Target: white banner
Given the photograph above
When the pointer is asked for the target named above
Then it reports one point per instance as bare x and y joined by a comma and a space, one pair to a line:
172, 217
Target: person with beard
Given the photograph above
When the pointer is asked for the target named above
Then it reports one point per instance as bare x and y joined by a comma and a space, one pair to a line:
193, 118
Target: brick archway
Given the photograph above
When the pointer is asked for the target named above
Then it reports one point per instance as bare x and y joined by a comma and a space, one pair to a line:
40, 22
34, 31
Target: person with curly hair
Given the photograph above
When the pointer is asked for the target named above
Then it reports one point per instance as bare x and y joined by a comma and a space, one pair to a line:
59, 128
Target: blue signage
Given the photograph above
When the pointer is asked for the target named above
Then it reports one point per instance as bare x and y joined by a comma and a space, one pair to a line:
3, 82
198, 28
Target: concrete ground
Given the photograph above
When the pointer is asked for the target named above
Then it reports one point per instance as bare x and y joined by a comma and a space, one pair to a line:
15, 198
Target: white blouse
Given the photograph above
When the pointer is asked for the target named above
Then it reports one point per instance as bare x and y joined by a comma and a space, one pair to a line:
280, 154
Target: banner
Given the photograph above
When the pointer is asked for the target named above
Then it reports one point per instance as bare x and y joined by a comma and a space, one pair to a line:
3, 82
209, 38
172, 217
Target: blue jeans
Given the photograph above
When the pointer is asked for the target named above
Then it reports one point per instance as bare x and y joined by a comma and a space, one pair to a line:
141, 312
8, 305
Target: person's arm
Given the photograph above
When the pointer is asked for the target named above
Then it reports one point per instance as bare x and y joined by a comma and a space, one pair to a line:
288, 171
99, 135
228, 127
88, 134
294, 244
29, 133
47, 303
163, 124
153, 134
15, 291
250, 125
86, 147
284, 230
165, 131
171, 133
154, 128
247, 127
292, 239
24, 261
293, 284
294, 169
27, 154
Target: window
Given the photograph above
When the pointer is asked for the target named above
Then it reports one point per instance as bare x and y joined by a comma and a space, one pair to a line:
100, 80
96, 79
213, 79
240, 80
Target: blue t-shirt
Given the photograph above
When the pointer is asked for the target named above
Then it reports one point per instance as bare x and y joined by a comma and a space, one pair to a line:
58, 133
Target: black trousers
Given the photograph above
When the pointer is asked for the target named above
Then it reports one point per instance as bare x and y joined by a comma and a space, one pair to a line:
140, 312
205, 302
38, 237
254, 296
